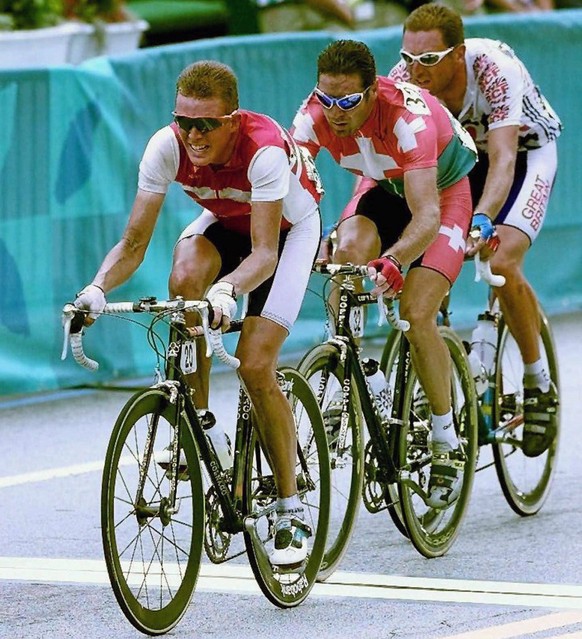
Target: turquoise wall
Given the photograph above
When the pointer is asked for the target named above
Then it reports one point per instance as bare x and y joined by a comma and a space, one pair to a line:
69, 151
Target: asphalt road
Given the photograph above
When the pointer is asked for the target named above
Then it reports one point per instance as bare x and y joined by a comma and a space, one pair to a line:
505, 577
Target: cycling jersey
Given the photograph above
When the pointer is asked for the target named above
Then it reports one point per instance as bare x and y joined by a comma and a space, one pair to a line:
266, 165
407, 129
500, 92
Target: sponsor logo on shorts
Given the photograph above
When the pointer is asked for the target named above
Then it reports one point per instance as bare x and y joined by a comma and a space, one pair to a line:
537, 201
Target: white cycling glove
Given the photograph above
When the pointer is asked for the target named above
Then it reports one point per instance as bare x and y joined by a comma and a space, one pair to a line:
221, 295
91, 298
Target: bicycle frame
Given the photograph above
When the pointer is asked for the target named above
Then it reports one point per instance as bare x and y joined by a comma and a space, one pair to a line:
229, 491
346, 343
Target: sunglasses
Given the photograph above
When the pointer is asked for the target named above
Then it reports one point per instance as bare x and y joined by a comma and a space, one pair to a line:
345, 103
202, 125
428, 59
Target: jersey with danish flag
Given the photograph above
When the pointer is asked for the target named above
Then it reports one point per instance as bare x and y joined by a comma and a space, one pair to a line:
407, 129
266, 165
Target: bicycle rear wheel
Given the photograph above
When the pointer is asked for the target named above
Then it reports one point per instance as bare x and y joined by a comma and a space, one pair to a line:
289, 587
325, 373
525, 481
152, 542
433, 531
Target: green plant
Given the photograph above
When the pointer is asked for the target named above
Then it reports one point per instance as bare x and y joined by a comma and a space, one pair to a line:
30, 14
97, 10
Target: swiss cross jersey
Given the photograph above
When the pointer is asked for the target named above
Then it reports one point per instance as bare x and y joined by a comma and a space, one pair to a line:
407, 129
266, 165
500, 92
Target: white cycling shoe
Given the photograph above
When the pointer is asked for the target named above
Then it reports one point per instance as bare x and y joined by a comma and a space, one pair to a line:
290, 542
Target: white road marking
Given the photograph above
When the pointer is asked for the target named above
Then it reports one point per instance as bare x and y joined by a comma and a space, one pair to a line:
50, 473
56, 473
238, 578
520, 628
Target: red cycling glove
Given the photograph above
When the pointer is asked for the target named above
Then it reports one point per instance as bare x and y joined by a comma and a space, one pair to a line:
389, 267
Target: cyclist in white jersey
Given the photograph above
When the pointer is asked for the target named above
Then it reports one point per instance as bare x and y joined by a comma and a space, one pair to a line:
258, 233
489, 90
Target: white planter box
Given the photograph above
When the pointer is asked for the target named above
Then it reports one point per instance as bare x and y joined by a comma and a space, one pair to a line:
102, 38
35, 47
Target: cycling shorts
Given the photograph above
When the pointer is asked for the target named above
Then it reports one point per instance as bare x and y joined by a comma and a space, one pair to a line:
527, 202
278, 298
391, 215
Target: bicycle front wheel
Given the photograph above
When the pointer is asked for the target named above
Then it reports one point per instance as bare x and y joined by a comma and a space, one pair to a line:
389, 365
434, 530
152, 523
525, 481
323, 369
290, 586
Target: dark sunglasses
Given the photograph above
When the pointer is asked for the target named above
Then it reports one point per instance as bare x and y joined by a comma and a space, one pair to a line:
202, 125
345, 103
428, 59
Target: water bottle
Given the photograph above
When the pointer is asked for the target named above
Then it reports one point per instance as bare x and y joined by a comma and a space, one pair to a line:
217, 437
477, 370
379, 387
484, 340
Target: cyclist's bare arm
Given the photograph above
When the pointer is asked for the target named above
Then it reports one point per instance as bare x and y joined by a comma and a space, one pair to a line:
423, 201
502, 152
125, 257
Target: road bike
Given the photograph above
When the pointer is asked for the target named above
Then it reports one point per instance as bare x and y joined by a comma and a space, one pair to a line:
390, 468
525, 481
157, 514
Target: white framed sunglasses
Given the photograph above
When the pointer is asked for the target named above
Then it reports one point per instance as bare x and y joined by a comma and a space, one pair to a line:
345, 103
427, 59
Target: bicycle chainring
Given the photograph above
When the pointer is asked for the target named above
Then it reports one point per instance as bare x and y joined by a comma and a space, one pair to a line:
216, 540
374, 488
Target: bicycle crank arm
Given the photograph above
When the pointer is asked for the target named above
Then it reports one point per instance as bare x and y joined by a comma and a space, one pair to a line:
404, 479
250, 521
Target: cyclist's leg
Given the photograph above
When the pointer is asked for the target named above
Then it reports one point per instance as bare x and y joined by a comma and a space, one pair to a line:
518, 225
424, 290
425, 287
196, 264
272, 311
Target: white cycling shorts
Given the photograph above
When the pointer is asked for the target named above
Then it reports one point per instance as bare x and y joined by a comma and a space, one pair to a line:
527, 203
280, 297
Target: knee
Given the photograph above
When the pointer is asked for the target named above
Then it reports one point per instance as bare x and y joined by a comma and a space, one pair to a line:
184, 283
422, 321
256, 374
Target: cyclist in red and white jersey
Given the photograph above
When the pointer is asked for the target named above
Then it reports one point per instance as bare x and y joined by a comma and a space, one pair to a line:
412, 208
258, 233
490, 91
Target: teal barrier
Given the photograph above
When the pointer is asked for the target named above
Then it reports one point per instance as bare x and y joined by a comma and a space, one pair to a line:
69, 153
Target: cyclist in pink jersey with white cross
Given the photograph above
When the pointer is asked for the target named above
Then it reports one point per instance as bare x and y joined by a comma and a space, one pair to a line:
258, 233
412, 209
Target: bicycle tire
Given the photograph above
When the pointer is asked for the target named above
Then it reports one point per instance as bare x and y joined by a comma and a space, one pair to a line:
389, 364
433, 531
323, 369
525, 481
152, 554
288, 588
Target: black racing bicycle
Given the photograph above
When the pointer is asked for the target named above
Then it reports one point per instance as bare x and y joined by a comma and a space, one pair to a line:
157, 514
525, 481
390, 467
